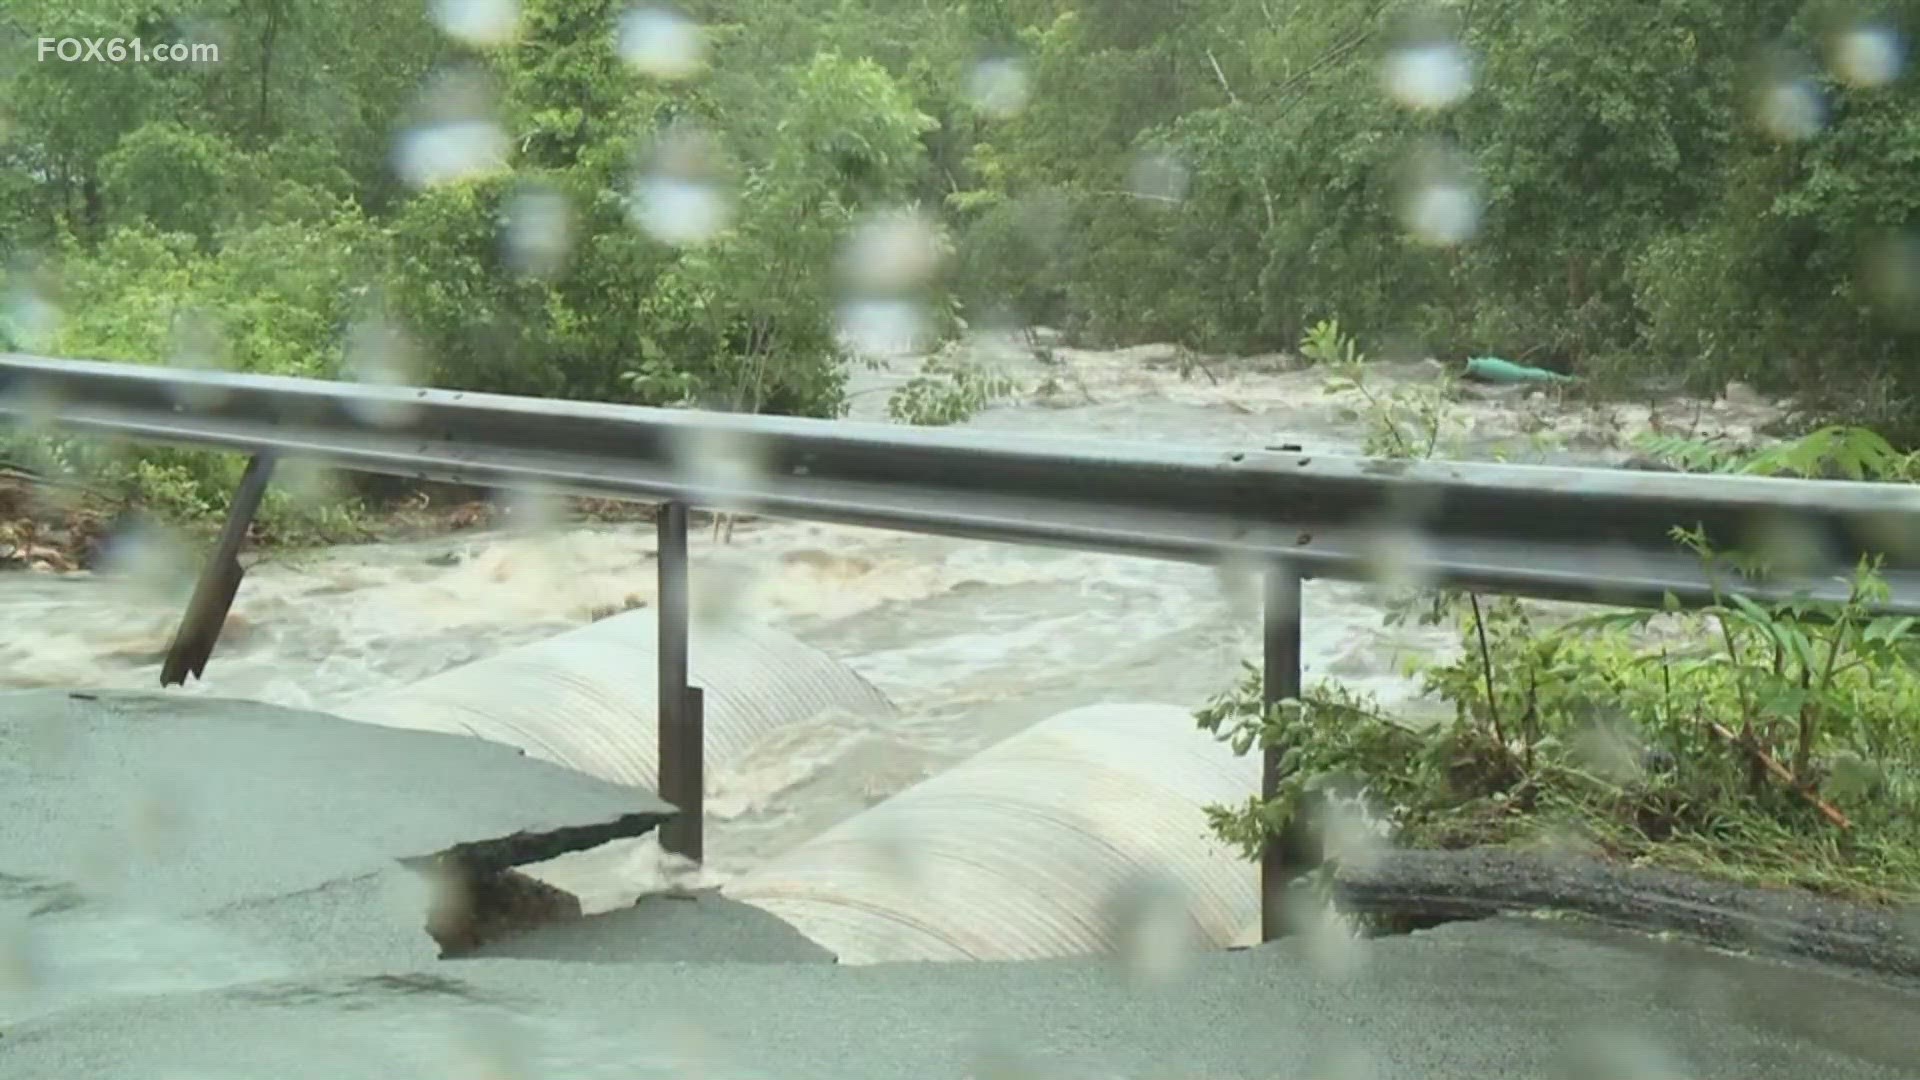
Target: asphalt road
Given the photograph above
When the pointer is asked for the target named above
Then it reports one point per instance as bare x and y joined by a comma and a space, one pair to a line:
264, 928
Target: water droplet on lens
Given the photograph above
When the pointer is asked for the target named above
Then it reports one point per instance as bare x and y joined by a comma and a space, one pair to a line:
1334, 946
662, 43
998, 86
1399, 560
883, 329
1867, 56
308, 483
479, 22
29, 318
1790, 545
1893, 277
1792, 109
379, 355
198, 346
1613, 1055
532, 509
724, 466
1160, 176
20, 967
1431, 75
455, 136
157, 821
898, 249
1153, 928
725, 590
539, 231
150, 561
1240, 577
677, 197
1443, 212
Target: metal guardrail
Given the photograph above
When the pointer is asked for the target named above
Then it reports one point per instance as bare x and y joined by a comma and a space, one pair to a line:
1598, 535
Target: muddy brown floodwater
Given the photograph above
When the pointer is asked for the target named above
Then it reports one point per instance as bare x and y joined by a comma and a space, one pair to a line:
972, 641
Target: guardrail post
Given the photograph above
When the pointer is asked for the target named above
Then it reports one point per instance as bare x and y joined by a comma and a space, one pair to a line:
682, 746
1280, 857
219, 581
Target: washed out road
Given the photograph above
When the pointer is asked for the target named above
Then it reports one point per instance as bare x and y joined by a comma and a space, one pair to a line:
277, 937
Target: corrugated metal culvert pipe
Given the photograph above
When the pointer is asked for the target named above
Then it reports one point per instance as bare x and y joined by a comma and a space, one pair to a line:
586, 699
1023, 851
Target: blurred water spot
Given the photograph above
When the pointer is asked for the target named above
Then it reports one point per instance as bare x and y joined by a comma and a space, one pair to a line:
1352, 834
1428, 75
1609, 750
1908, 919
493, 1052
532, 509
677, 198
724, 590
1153, 928
995, 1058
726, 466
379, 354
206, 30
1160, 176
892, 250
308, 483
896, 854
454, 136
157, 820
448, 900
692, 1050
1620, 1055
1334, 946
479, 22
539, 231
1240, 575
20, 965
1792, 109
1442, 211
1867, 55
100, 869
998, 86
1344, 1063
149, 562
32, 410
662, 43
1399, 560
46, 741
198, 345
1893, 276
884, 328
30, 317
1790, 545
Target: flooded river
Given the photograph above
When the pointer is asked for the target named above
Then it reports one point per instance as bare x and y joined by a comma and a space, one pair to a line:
972, 641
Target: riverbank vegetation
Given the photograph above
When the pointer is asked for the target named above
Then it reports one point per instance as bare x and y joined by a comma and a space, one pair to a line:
1774, 744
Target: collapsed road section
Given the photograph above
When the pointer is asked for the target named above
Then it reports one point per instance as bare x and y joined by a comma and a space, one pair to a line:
283, 838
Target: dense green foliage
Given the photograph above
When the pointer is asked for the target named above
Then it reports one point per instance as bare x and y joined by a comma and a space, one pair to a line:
1699, 189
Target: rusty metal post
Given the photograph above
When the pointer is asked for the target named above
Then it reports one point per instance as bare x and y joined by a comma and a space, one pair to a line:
219, 581
1280, 857
682, 741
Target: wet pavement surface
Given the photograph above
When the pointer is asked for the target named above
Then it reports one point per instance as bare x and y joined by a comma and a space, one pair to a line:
257, 923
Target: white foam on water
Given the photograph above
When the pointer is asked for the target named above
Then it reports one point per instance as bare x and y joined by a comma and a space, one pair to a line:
972, 641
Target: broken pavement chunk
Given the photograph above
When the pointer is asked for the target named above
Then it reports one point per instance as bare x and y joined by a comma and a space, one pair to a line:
263, 805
